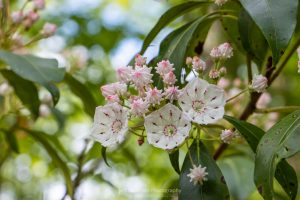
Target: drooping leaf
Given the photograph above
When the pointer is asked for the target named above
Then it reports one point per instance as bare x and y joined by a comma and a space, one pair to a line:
53, 91
174, 159
276, 19
83, 93
238, 173
214, 188
252, 38
93, 152
168, 17
281, 141
40, 70
103, 153
284, 174
25, 90
57, 160
11, 140
59, 116
176, 45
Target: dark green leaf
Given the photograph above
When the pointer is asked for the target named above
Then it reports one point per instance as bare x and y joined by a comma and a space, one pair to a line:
281, 141
11, 140
172, 192
53, 91
103, 153
174, 159
40, 70
25, 90
276, 19
168, 17
253, 135
94, 152
59, 116
212, 189
57, 160
83, 93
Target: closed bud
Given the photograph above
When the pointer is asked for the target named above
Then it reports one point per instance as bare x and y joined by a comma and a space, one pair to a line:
259, 83
214, 74
222, 71
17, 17
49, 29
39, 4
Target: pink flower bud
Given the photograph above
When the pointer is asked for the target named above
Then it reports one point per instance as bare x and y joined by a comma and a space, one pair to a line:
222, 71
140, 60
214, 74
225, 50
154, 96
49, 29
124, 74
169, 78
215, 53
259, 83
172, 93
5, 88
139, 107
164, 67
39, 4
189, 61
227, 135
198, 64
17, 17
44, 110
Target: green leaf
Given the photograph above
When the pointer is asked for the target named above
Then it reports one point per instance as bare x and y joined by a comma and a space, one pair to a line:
212, 189
284, 174
238, 173
53, 91
281, 141
168, 17
252, 39
11, 140
174, 159
59, 116
25, 90
276, 19
40, 70
93, 152
57, 160
83, 93
176, 45
103, 153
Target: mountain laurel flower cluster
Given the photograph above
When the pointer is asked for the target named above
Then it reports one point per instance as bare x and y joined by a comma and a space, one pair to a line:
157, 107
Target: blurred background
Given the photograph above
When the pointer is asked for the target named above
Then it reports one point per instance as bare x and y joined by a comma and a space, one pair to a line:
94, 37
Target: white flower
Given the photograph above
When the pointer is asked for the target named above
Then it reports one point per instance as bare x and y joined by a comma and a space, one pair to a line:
198, 175
220, 2
124, 74
214, 74
299, 66
164, 67
167, 127
154, 96
198, 64
110, 124
114, 89
259, 83
141, 76
172, 93
139, 107
140, 60
203, 102
222, 71
226, 50
169, 78
227, 135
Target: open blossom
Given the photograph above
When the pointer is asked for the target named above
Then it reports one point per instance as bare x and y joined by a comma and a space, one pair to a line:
39, 4
198, 64
139, 107
110, 124
141, 76
227, 135
259, 83
140, 60
169, 78
124, 74
203, 102
17, 17
164, 67
172, 93
113, 89
222, 71
167, 127
32, 16
220, 2
49, 29
198, 175
154, 96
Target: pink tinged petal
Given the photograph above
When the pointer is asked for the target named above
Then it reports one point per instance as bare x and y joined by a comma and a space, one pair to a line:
214, 96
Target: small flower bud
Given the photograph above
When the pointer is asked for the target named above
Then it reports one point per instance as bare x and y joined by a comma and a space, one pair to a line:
189, 61
17, 17
32, 16
259, 83
227, 135
169, 78
39, 4
198, 64
214, 74
222, 71
49, 29
5, 88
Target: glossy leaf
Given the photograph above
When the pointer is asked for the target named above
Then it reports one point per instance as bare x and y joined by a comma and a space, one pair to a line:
276, 19
11, 140
57, 160
25, 90
214, 188
83, 93
281, 141
168, 17
174, 159
53, 91
40, 70
103, 153
60, 117
284, 174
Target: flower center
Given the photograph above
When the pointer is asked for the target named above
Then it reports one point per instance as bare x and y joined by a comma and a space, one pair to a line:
197, 105
116, 126
170, 130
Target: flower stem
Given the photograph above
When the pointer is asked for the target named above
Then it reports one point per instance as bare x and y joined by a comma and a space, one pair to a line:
249, 68
235, 96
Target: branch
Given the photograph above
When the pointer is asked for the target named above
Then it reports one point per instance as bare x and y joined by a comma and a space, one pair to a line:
286, 109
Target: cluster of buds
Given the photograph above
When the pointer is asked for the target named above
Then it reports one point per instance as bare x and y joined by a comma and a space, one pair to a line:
22, 20
219, 55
